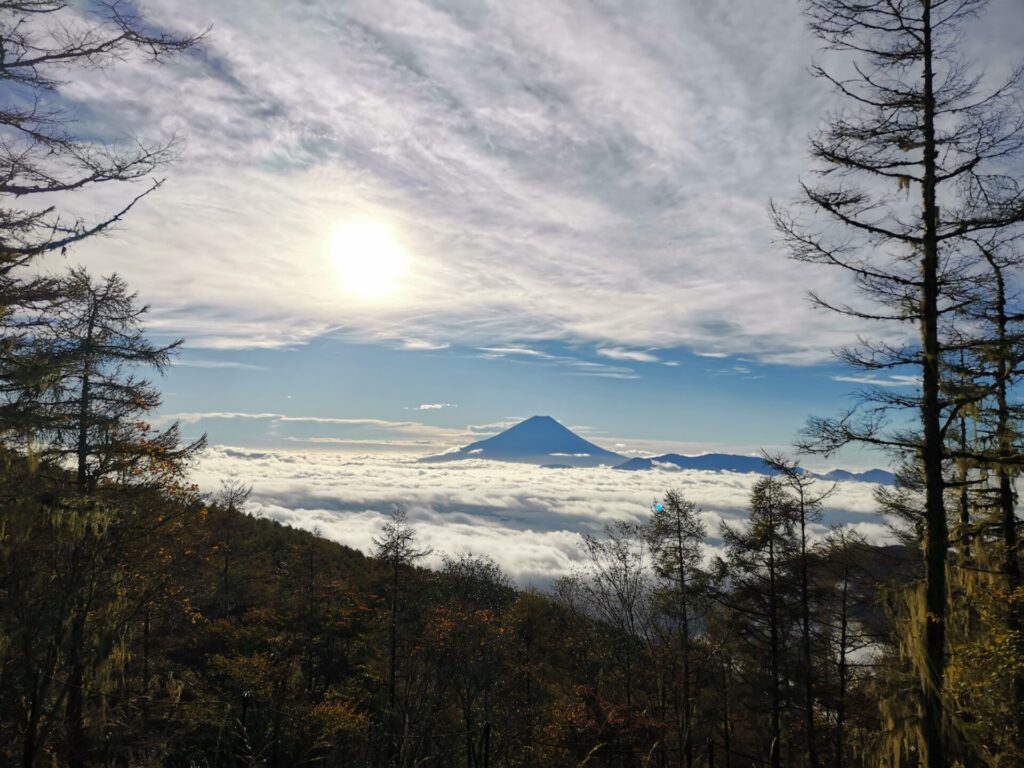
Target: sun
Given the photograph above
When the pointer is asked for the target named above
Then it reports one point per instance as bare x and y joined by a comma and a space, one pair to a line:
368, 259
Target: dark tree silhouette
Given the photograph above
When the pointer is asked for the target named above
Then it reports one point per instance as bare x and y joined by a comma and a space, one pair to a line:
675, 535
397, 547
92, 341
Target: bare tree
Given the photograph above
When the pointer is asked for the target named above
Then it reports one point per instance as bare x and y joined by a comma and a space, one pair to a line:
617, 588
43, 40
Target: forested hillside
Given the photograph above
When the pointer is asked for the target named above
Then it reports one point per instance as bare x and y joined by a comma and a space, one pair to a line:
146, 627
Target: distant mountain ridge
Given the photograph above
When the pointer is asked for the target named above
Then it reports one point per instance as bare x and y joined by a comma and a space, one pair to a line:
541, 440
731, 462
538, 440
715, 462
878, 476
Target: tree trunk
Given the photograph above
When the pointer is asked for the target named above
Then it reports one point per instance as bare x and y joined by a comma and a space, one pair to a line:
687, 741
393, 639
28, 755
727, 730
805, 639
74, 712
936, 539
773, 628
1007, 496
82, 450
841, 699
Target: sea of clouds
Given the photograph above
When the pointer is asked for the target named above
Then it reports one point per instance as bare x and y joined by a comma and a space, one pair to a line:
528, 519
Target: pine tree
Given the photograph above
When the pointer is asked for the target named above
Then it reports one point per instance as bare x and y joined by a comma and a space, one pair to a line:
808, 510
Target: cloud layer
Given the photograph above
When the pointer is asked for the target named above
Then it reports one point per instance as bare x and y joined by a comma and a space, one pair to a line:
527, 518
556, 169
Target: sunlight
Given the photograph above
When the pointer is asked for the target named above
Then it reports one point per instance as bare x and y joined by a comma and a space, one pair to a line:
368, 259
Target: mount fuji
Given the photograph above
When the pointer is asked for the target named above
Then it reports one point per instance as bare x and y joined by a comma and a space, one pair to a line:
538, 440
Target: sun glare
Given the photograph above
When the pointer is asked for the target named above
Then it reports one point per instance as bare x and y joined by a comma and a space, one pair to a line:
369, 261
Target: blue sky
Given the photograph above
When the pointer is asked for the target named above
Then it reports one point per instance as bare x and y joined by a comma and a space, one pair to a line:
578, 191
681, 401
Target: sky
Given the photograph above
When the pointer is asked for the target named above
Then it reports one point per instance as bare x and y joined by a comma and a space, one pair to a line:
576, 192
396, 226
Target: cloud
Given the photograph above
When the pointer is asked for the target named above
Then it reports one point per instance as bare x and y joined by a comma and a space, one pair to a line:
494, 427
216, 364
882, 381
528, 518
619, 353
515, 351
337, 432
432, 406
420, 344
556, 170
578, 366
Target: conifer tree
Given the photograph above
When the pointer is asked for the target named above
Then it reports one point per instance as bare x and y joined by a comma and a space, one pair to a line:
808, 505
91, 408
675, 535
758, 577
919, 125
43, 44
397, 547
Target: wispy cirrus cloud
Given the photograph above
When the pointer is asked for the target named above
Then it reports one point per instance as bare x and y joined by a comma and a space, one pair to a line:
894, 380
556, 170
327, 432
578, 366
633, 355
188, 362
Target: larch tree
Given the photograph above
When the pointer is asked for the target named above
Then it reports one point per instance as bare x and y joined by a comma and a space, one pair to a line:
397, 547
94, 494
808, 505
44, 44
93, 340
757, 582
989, 458
675, 536
913, 168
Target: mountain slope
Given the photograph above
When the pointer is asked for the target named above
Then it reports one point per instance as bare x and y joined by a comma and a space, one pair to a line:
538, 440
